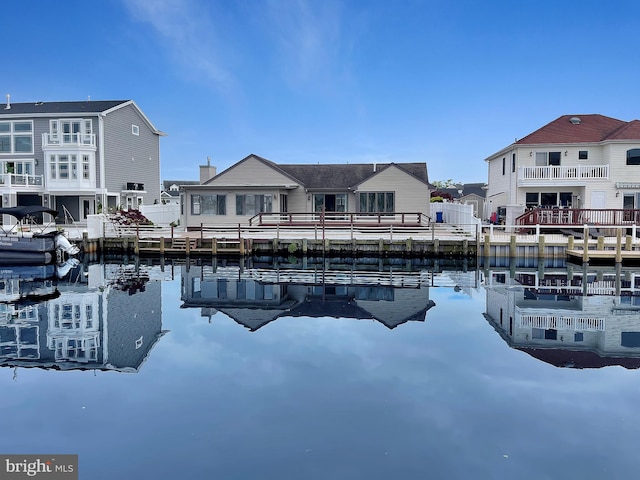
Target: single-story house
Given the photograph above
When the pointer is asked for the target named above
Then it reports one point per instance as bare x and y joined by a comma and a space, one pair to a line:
256, 185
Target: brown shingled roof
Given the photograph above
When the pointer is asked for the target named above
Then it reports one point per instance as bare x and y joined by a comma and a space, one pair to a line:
591, 128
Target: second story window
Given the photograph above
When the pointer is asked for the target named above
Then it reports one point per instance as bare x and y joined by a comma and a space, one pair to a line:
71, 132
16, 137
544, 159
633, 156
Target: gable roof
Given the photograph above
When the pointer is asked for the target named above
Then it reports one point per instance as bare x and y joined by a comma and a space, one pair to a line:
337, 176
35, 109
590, 128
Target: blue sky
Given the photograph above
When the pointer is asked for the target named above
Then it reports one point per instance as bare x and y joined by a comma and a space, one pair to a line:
307, 81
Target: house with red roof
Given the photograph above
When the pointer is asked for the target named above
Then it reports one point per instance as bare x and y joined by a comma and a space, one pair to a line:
575, 161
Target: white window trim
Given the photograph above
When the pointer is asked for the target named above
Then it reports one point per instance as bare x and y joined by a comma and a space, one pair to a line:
135, 130
12, 134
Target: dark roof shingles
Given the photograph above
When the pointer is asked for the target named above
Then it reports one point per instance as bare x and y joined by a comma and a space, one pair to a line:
90, 106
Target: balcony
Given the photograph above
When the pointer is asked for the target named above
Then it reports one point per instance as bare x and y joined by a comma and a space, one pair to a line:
21, 180
561, 175
68, 140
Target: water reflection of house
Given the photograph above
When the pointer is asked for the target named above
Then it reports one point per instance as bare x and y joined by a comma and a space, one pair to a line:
579, 319
90, 325
248, 298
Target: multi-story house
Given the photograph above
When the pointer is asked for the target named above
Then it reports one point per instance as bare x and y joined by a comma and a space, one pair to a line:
576, 161
78, 157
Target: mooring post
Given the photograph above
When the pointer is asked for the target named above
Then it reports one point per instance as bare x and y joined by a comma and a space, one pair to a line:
619, 246
585, 245
628, 243
512, 246
570, 242
487, 245
161, 245
600, 244
541, 246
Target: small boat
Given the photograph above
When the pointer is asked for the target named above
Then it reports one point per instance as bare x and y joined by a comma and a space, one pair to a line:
21, 245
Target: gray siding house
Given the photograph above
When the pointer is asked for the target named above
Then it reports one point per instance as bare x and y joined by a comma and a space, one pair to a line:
256, 185
78, 157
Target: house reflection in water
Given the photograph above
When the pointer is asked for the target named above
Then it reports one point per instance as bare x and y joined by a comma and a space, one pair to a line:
254, 297
107, 317
587, 318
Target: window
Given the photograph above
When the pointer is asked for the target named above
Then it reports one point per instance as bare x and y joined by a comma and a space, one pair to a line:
75, 131
18, 167
547, 158
578, 337
513, 162
633, 156
251, 204
583, 155
208, 204
135, 130
85, 167
504, 160
532, 199
377, 202
16, 137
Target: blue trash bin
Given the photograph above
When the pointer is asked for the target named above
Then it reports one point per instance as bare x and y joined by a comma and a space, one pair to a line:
439, 217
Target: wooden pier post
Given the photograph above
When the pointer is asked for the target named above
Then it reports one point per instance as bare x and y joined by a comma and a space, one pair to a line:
214, 246
619, 246
541, 246
570, 242
161, 245
136, 246
487, 245
601, 243
628, 245
187, 246
465, 248
241, 246
585, 246
305, 246
436, 246
512, 246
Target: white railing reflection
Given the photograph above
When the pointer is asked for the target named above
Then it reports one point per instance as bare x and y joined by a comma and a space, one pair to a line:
563, 322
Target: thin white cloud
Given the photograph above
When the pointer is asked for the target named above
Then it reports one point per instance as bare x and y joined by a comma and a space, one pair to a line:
188, 32
308, 37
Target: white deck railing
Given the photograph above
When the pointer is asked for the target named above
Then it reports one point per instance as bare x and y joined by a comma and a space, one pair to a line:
20, 180
51, 139
562, 172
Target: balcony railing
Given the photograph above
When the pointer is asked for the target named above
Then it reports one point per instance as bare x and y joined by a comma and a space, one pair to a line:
20, 180
563, 173
68, 139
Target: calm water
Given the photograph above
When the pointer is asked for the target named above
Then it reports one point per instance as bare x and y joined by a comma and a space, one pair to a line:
324, 370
